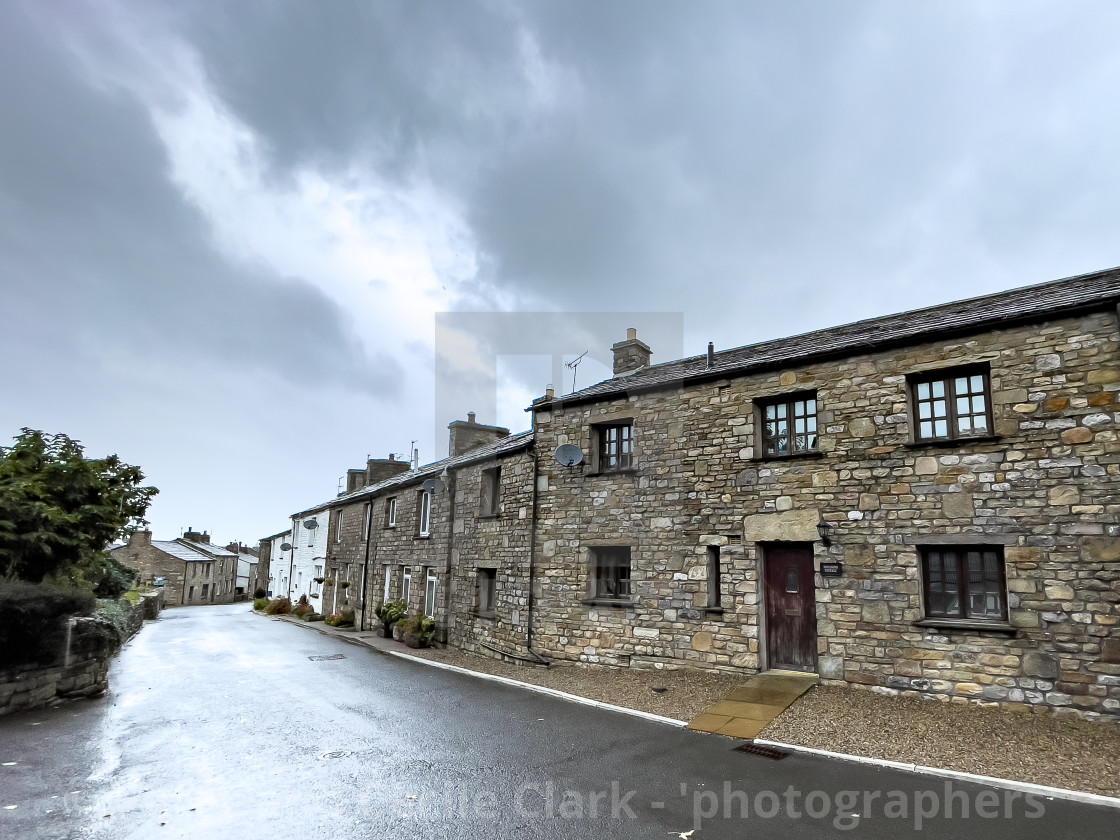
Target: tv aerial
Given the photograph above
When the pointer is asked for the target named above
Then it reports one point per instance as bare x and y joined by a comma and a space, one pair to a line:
568, 455
574, 365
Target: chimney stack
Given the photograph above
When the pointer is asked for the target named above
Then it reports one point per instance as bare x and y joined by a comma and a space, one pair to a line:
630, 355
377, 470
467, 435
140, 539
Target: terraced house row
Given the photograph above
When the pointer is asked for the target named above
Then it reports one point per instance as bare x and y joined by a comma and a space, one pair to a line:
925, 502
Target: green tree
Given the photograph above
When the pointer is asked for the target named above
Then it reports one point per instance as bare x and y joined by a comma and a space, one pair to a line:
59, 510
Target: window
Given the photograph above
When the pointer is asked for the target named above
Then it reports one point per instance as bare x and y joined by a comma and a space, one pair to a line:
205, 590
388, 583
425, 513
714, 581
616, 447
311, 527
612, 572
486, 584
430, 593
951, 404
362, 591
392, 523
406, 582
965, 582
194, 571
338, 530
789, 425
489, 497
318, 574
366, 521
190, 594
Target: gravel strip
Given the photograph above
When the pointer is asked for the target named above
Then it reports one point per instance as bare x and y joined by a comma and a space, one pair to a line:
687, 692
1061, 751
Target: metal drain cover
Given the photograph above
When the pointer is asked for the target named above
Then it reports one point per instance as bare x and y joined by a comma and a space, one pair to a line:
336, 754
326, 658
765, 752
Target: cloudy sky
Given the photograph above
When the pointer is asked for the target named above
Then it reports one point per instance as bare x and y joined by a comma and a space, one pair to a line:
227, 228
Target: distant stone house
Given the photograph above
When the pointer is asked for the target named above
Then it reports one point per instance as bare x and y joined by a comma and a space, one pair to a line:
924, 503
190, 570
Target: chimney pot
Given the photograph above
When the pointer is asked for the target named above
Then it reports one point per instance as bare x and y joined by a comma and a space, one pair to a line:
631, 333
470, 416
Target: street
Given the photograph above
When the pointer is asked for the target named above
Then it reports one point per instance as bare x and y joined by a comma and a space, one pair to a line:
219, 724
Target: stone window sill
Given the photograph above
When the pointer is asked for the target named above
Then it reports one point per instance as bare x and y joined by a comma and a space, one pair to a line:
422, 537
609, 602
713, 611
792, 456
490, 616
967, 625
489, 516
952, 442
624, 471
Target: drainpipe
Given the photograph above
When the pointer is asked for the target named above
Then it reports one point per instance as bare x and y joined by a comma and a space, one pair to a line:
365, 564
450, 491
532, 563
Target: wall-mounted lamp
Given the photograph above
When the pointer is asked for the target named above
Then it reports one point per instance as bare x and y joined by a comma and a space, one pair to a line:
825, 530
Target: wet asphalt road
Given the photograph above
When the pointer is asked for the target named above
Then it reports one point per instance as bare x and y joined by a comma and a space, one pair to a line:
217, 723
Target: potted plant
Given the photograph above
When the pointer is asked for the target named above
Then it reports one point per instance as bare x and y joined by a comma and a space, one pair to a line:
417, 631
345, 584
319, 579
390, 613
328, 581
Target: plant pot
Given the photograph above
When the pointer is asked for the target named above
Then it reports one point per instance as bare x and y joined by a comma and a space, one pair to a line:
414, 641
397, 632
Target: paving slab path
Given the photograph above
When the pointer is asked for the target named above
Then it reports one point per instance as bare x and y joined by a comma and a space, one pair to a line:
747, 710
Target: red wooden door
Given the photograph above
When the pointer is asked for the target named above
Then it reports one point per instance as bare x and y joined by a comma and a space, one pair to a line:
791, 610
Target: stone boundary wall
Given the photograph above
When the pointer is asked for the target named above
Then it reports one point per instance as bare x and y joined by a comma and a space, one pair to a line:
92, 645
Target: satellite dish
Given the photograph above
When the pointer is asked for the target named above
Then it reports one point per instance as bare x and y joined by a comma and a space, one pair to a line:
311, 524
568, 455
285, 546
433, 486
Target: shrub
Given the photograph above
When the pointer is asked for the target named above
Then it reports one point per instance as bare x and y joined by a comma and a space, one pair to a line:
260, 603
390, 613
279, 606
33, 620
259, 593
346, 617
332, 620
117, 613
417, 630
302, 608
108, 577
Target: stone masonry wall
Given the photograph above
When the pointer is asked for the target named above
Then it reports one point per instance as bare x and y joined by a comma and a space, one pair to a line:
1044, 489
500, 542
84, 674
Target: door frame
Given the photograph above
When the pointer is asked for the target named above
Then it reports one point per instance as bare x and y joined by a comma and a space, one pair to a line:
762, 550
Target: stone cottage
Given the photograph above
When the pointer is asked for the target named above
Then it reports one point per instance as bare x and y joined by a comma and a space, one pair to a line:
190, 570
921, 503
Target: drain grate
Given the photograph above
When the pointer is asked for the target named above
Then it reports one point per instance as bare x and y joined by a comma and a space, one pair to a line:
326, 658
765, 752
336, 754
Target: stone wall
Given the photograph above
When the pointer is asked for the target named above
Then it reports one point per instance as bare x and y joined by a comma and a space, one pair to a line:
1043, 489
83, 670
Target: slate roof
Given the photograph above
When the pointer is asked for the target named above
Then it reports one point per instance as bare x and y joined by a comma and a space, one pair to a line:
190, 551
1026, 304
491, 450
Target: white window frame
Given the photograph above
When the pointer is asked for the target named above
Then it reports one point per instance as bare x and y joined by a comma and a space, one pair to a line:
366, 521
393, 512
388, 583
425, 514
430, 584
406, 583
338, 530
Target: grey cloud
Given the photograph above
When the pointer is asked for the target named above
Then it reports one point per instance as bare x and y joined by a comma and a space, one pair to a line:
99, 250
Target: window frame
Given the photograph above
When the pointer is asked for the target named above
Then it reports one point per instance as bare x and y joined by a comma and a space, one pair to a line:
338, 527
486, 607
387, 586
490, 478
715, 578
789, 402
949, 376
431, 591
367, 521
604, 448
424, 517
406, 584
609, 557
391, 512
963, 613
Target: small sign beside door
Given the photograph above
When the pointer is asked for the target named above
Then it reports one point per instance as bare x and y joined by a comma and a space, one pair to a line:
832, 569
